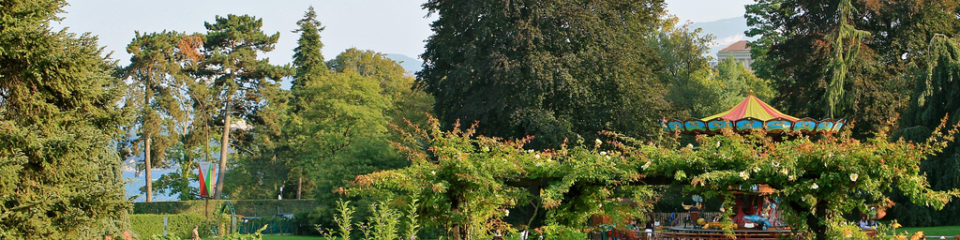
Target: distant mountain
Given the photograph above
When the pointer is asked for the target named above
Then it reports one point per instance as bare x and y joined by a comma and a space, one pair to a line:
412, 65
725, 31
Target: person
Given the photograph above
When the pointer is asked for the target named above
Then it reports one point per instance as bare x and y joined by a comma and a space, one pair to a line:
196, 232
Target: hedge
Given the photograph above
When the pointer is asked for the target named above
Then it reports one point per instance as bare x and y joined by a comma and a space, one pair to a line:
261, 208
180, 225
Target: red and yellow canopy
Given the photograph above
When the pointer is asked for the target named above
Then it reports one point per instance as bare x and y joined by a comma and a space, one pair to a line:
751, 107
751, 114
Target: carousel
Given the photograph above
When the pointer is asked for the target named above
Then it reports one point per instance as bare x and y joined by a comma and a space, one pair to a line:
756, 211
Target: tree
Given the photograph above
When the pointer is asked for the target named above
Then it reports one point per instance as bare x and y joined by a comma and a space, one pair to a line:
346, 129
934, 98
158, 84
550, 69
798, 45
60, 123
232, 44
410, 103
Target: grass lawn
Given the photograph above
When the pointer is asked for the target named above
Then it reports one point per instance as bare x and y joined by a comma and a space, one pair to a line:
933, 231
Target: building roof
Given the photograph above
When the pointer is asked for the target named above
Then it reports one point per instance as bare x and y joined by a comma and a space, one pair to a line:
737, 46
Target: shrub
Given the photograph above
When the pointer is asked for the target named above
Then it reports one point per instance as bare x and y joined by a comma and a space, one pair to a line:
178, 225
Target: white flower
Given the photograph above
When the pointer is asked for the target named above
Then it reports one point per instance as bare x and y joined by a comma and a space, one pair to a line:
792, 177
433, 172
608, 157
538, 164
814, 186
603, 152
776, 164
536, 156
854, 177
830, 155
718, 144
744, 175
690, 145
486, 149
598, 141
756, 169
530, 151
506, 213
646, 165
784, 171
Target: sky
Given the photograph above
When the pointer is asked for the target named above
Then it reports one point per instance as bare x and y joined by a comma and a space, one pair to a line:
386, 26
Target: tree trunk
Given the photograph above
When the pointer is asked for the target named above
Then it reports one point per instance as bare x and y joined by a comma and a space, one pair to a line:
299, 184
148, 164
224, 146
148, 168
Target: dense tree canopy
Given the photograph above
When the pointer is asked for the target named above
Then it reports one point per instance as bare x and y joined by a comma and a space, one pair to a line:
551, 69
935, 97
798, 50
60, 124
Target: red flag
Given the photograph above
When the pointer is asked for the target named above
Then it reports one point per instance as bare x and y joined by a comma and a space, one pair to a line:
203, 186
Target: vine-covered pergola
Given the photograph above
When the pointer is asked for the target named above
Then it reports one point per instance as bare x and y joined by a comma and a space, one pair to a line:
468, 183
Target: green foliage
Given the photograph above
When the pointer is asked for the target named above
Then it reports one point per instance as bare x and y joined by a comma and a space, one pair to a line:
934, 97
554, 232
242, 207
343, 219
470, 182
242, 82
796, 53
256, 236
566, 68
161, 237
157, 92
178, 225
59, 128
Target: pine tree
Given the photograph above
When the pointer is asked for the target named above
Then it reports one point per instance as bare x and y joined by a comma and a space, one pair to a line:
232, 45
157, 92
59, 128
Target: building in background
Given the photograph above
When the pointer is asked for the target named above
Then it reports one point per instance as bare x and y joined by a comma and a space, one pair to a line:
739, 51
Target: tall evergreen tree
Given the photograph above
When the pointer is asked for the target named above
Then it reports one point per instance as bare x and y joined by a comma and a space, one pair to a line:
156, 91
309, 64
59, 125
937, 95
232, 46
552, 69
798, 50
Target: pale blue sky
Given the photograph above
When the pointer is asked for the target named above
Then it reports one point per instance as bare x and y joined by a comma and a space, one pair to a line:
388, 26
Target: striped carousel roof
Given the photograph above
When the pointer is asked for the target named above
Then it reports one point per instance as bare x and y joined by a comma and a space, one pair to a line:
751, 107
752, 114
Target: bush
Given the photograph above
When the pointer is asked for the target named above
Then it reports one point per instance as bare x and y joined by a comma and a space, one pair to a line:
262, 208
556, 232
178, 225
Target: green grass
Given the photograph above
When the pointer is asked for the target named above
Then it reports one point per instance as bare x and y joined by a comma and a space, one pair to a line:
933, 231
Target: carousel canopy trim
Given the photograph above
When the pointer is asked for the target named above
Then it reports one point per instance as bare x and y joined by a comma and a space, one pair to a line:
752, 114
751, 107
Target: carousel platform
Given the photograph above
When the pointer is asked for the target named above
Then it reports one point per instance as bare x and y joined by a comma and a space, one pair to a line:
682, 233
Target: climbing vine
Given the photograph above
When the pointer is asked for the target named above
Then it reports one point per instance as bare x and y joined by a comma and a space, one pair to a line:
469, 183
